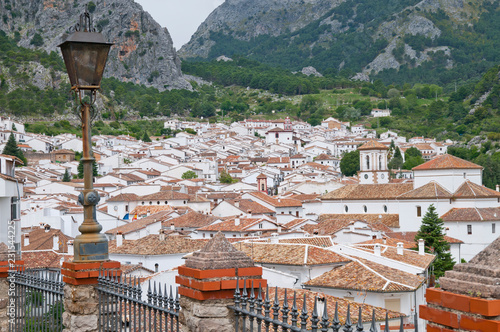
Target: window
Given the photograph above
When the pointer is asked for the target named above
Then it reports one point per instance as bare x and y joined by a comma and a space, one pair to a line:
419, 211
262, 187
469, 229
156, 267
297, 215
465, 175
203, 235
260, 225
379, 162
368, 162
150, 203
142, 203
158, 202
385, 208
346, 209
493, 228
277, 135
166, 202
365, 208
211, 235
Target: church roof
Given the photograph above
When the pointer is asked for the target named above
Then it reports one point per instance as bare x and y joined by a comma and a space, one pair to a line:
429, 190
472, 190
369, 191
446, 161
373, 145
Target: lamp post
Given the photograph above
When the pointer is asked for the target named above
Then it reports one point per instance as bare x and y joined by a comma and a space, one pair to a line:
85, 53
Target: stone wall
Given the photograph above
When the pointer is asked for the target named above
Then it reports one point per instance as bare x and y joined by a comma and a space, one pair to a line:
4, 300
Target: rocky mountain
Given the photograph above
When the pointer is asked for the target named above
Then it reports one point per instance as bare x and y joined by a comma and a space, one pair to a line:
143, 52
364, 38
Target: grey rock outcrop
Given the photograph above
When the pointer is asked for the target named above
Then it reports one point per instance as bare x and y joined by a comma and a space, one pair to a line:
143, 52
245, 19
311, 71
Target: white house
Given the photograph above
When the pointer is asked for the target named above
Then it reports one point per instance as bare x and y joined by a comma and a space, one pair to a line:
10, 194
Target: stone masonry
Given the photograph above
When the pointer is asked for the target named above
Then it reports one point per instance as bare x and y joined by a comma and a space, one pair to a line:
469, 297
208, 282
80, 296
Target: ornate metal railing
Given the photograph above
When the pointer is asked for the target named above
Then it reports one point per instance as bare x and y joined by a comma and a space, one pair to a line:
122, 308
257, 313
37, 298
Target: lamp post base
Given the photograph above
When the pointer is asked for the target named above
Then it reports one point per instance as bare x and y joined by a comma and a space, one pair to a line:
90, 248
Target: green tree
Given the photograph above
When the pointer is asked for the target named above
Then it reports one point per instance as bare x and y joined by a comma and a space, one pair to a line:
145, 137
189, 175
226, 178
397, 160
80, 169
413, 157
66, 177
12, 149
349, 164
432, 232
37, 40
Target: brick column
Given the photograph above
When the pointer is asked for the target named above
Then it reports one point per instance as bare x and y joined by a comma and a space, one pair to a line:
5, 266
469, 297
80, 296
207, 284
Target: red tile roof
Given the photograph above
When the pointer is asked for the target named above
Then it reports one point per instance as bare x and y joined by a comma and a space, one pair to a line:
431, 190
446, 161
369, 191
373, 145
472, 214
472, 190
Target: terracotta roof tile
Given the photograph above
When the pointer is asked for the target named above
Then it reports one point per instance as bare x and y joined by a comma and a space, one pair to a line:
409, 237
152, 245
289, 254
280, 202
138, 224
409, 256
191, 219
472, 214
364, 275
39, 239
369, 191
430, 190
124, 198
373, 145
472, 190
446, 161
331, 223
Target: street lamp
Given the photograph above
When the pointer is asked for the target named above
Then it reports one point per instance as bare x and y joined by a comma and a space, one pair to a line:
85, 53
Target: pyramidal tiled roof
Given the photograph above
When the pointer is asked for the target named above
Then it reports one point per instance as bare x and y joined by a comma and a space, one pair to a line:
373, 145
472, 214
472, 190
429, 190
446, 161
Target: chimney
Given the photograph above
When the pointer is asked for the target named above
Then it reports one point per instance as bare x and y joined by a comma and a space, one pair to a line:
162, 235
148, 213
384, 239
274, 238
376, 249
236, 221
421, 247
55, 242
249, 213
237, 203
47, 228
400, 248
119, 239
498, 187
26, 240
42, 225
172, 226
351, 227
71, 249
279, 229
279, 200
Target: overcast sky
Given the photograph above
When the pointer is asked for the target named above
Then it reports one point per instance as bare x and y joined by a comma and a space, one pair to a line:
180, 17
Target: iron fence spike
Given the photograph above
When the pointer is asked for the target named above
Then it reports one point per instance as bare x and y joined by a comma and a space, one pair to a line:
373, 327
359, 325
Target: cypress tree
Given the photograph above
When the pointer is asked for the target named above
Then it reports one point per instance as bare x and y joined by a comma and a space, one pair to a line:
12, 149
66, 177
432, 232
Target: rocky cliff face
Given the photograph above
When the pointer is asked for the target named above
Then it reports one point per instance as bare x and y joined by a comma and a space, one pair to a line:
143, 52
246, 19
241, 20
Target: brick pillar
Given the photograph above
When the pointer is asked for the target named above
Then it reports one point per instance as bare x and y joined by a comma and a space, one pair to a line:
469, 297
207, 283
80, 295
